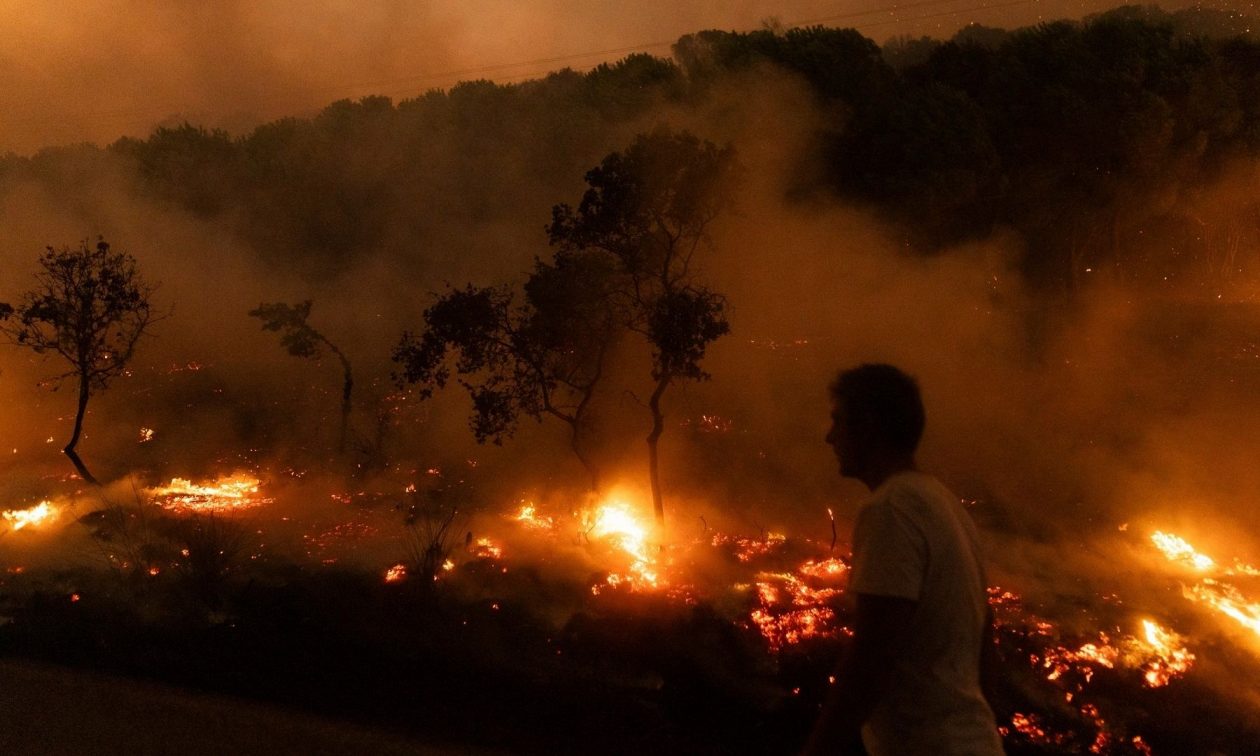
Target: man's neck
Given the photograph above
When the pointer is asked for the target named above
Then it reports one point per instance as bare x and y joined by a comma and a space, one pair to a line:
883, 469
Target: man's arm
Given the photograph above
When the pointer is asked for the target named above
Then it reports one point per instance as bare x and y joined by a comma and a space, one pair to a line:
990, 660
864, 674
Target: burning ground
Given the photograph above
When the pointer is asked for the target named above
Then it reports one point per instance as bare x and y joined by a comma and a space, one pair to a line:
561, 622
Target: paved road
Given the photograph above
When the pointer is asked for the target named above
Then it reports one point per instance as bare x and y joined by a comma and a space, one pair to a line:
47, 711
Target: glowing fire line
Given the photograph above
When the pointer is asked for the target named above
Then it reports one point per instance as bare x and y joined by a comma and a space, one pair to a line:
1224, 598
233, 493
39, 514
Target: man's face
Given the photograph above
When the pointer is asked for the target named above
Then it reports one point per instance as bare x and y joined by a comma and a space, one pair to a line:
841, 440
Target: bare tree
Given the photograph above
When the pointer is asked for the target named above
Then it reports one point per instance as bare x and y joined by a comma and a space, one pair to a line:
89, 306
301, 340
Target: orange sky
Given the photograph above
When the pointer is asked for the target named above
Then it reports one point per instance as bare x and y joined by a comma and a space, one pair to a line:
95, 70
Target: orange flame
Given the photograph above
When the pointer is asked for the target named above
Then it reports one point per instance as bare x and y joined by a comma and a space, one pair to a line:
41, 513
233, 493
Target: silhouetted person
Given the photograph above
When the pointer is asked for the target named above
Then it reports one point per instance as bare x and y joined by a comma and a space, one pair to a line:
910, 682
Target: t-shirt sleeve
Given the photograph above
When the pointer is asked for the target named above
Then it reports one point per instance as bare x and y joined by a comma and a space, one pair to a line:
889, 554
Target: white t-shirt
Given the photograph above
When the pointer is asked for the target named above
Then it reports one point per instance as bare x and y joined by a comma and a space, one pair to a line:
914, 540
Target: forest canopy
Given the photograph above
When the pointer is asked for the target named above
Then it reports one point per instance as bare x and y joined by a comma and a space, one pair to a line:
1086, 139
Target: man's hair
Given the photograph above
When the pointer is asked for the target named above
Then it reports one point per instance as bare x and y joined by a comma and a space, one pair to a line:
885, 396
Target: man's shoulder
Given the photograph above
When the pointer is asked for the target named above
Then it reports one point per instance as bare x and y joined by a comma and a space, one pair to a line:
909, 491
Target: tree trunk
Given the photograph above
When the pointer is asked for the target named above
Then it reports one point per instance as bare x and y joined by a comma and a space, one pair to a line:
78, 430
578, 451
347, 385
658, 426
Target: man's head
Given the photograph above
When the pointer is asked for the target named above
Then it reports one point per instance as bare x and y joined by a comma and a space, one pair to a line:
876, 420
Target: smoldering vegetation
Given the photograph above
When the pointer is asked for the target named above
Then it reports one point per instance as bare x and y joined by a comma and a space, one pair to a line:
1054, 228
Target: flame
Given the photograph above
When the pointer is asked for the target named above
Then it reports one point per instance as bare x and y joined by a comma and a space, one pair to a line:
614, 521
233, 493
1223, 597
396, 573
1177, 549
39, 514
528, 516
1227, 600
1169, 656
487, 549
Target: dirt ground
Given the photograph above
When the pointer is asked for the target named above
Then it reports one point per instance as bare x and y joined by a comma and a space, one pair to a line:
49, 710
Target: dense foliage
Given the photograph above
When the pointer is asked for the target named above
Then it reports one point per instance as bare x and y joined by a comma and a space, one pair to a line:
1088, 139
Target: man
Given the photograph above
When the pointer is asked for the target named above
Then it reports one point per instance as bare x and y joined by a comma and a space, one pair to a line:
910, 683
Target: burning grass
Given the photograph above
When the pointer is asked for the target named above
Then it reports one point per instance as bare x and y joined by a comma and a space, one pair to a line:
588, 596
37, 516
233, 493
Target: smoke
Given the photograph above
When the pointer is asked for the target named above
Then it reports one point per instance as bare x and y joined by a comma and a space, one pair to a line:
1113, 406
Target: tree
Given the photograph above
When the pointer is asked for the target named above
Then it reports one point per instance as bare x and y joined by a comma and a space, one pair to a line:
90, 306
648, 210
301, 340
544, 356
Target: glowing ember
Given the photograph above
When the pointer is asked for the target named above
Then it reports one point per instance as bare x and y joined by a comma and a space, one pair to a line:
39, 514
486, 549
748, 549
396, 573
233, 493
1176, 549
827, 568
146, 435
790, 610
1169, 656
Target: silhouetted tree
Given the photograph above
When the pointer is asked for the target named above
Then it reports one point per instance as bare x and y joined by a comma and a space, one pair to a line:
648, 210
301, 340
90, 306
543, 357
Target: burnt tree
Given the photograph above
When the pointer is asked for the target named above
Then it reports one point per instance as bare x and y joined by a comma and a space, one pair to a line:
301, 340
89, 306
543, 356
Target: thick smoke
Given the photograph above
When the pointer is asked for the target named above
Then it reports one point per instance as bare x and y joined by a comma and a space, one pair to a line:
1114, 408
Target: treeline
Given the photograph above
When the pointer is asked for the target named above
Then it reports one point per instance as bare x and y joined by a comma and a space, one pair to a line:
1107, 145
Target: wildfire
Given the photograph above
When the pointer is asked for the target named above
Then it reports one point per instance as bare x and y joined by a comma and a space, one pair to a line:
41, 513
1227, 600
396, 573
615, 522
1169, 658
484, 548
748, 549
1158, 653
1221, 596
1177, 549
528, 516
791, 610
230, 494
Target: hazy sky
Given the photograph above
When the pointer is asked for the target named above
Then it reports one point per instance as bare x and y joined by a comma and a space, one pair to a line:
94, 70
